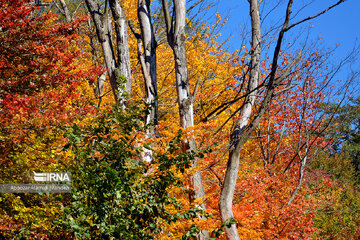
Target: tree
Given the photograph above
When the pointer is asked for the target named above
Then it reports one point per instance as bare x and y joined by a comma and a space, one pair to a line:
244, 127
262, 190
130, 205
345, 133
43, 86
146, 48
148, 59
175, 31
118, 67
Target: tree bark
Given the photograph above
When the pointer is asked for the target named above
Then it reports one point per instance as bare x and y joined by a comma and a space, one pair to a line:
119, 69
149, 59
122, 43
146, 47
176, 39
237, 139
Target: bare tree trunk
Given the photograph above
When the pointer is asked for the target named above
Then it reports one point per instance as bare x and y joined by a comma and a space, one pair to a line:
149, 59
244, 127
176, 39
227, 192
122, 44
147, 56
301, 178
115, 70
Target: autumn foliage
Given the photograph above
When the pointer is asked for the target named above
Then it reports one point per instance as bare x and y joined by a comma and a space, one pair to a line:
289, 185
40, 73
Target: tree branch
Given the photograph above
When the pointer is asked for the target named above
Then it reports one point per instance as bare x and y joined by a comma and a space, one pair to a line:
314, 16
168, 21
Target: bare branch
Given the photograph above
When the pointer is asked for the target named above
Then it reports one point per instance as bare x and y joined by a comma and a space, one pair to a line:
279, 42
133, 30
287, 70
301, 174
196, 88
285, 89
65, 11
168, 21
194, 5
278, 144
315, 16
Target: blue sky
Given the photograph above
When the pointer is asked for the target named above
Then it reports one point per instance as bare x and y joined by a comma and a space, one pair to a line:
340, 25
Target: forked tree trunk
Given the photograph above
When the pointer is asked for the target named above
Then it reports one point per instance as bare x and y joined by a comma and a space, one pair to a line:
118, 71
245, 126
176, 39
227, 192
147, 56
148, 62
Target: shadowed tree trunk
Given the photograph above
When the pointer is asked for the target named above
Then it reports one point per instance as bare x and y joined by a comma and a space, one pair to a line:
147, 57
148, 62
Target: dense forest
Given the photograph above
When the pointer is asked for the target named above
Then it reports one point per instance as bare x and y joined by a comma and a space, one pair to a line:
167, 133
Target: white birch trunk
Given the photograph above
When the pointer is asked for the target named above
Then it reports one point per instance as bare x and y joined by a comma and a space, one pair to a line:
176, 39
115, 70
122, 43
147, 56
149, 59
227, 192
